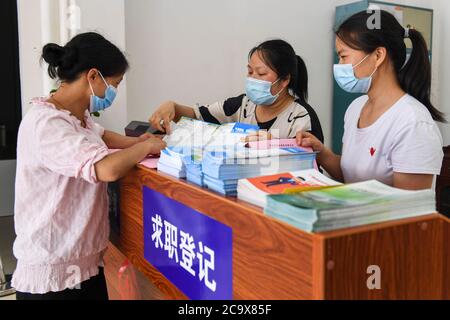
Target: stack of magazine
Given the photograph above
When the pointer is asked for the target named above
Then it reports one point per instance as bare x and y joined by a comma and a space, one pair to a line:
256, 190
222, 170
190, 138
216, 157
349, 205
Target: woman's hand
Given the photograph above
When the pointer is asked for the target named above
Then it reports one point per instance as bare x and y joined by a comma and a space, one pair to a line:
154, 145
308, 140
162, 117
117, 141
146, 136
257, 136
116, 165
325, 157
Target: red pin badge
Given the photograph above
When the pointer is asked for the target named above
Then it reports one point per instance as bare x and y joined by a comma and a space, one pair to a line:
372, 151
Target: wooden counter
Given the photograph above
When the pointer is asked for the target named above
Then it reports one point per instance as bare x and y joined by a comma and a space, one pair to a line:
273, 260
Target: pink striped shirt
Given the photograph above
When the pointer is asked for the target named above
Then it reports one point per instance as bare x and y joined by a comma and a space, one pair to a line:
61, 210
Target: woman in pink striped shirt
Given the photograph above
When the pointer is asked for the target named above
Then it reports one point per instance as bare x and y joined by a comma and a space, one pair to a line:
63, 165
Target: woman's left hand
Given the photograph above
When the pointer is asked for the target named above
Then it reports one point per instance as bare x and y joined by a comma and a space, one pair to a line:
261, 135
147, 136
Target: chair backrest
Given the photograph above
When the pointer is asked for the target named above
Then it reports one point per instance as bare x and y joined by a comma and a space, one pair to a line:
316, 127
443, 185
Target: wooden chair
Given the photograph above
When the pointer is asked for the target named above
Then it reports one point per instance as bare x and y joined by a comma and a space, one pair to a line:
443, 185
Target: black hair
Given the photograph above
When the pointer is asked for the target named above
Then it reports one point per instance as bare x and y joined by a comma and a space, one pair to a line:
281, 58
84, 52
413, 75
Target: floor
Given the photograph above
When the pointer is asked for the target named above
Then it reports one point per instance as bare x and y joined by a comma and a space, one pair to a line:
7, 236
124, 281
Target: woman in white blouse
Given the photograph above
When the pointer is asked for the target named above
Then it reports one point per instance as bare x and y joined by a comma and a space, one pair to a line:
390, 132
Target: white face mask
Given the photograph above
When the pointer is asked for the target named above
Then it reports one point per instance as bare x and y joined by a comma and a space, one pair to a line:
260, 92
344, 74
97, 104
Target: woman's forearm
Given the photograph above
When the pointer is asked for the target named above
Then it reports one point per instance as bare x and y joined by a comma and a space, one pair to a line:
116, 165
331, 163
116, 141
183, 111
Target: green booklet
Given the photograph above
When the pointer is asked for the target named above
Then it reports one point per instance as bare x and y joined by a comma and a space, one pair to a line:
345, 196
349, 205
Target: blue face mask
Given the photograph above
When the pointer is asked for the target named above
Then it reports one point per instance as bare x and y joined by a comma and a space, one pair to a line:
259, 92
344, 74
98, 104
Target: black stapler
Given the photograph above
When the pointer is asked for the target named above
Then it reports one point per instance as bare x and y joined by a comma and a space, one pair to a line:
138, 128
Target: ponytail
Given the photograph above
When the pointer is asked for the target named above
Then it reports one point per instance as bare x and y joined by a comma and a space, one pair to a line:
415, 76
300, 85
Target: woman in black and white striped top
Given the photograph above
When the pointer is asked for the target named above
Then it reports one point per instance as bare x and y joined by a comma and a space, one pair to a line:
275, 99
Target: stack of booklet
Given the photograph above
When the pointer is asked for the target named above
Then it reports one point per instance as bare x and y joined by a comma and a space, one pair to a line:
189, 140
256, 190
215, 156
348, 206
171, 161
222, 170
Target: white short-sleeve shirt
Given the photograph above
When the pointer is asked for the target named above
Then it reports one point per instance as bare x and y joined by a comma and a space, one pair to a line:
405, 139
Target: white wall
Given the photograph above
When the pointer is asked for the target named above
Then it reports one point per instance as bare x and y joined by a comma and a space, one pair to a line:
29, 19
30, 49
107, 17
104, 16
196, 51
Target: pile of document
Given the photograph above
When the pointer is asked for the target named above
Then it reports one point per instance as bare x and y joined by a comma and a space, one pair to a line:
349, 206
256, 190
190, 138
194, 172
222, 170
216, 157
171, 161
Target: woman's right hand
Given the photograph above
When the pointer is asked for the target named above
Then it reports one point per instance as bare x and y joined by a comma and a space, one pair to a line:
308, 140
325, 156
155, 145
162, 117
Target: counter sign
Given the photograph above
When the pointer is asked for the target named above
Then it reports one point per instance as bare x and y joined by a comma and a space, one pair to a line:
190, 249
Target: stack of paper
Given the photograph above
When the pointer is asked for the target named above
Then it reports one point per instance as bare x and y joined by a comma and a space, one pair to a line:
190, 138
273, 144
255, 190
194, 172
222, 170
349, 206
171, 160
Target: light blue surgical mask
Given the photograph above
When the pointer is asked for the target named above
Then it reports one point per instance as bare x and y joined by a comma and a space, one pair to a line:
344, 74
98, 104
259, 92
